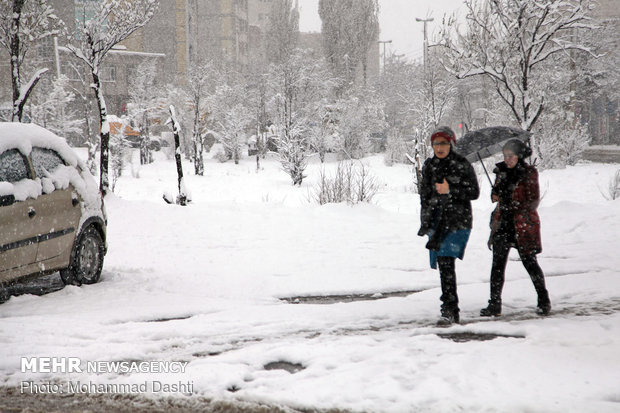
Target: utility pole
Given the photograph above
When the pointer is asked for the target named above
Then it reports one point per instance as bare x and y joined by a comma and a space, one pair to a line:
384, 42
430, 19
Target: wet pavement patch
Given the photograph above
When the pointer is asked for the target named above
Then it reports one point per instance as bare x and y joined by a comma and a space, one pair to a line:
164, 319
345, 298
202, 354
466, 336
284, 365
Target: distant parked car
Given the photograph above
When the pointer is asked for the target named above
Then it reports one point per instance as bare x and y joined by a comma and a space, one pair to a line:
52, 216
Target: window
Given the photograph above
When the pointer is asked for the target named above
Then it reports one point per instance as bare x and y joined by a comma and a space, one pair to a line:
13, 166
45, 160
45, 48
108, 74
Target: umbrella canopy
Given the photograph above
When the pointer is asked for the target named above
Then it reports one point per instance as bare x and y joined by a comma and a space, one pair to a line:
485, 142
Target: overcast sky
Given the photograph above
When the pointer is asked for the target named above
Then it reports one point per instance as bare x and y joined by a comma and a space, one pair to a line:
397, 21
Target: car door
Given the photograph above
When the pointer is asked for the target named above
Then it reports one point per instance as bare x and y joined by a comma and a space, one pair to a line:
57, 210
18, 233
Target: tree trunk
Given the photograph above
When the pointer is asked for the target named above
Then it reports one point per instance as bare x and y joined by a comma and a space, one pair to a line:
104, 156
197, 143
146, 157
182, 199
16, 115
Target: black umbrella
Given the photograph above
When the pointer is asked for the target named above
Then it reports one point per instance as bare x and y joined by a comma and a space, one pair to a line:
479, 144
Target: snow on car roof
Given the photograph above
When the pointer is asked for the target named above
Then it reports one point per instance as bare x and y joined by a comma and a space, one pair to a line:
23, 136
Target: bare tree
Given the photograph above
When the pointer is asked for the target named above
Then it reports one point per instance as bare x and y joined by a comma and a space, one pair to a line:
508, 41
50, 106
201, 94
232, 126
182, 198
257, 98
23, 24
322, 132
297, 86
358, 115
232, 109
144, 100
112, 22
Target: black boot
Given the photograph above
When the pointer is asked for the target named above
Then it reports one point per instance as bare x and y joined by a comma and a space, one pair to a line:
544, 304
494, 309
448, 317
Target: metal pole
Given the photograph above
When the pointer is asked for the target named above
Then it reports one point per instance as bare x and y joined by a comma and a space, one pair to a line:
384, 42
57, 57
430, 19
484, 167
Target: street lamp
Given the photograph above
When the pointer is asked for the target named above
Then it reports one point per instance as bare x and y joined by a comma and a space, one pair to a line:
384, 42
430, 19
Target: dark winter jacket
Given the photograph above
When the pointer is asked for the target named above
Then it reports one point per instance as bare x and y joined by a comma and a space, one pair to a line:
450, 212
515, 215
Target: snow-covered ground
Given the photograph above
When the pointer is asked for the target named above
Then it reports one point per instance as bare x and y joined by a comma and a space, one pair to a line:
203, 284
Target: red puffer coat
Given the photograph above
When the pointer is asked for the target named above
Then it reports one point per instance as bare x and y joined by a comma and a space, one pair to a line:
523, 205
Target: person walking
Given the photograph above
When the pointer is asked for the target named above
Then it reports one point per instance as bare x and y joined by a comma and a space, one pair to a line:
515, 223
448, 186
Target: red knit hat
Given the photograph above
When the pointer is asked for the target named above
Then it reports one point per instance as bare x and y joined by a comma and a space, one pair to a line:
444, 132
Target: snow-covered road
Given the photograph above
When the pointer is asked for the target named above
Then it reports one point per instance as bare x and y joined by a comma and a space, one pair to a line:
203, 284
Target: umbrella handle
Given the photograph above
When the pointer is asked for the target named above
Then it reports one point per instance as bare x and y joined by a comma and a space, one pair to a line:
484, 167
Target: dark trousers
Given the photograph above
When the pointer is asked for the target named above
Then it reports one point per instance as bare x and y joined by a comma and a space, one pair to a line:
449, 297
500, 258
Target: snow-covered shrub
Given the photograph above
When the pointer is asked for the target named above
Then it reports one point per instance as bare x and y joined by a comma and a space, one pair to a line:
293, 154
560, 144
232, 135
613, 190
352, 183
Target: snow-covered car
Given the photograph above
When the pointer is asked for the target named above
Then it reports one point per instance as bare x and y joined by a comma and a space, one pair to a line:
52, 216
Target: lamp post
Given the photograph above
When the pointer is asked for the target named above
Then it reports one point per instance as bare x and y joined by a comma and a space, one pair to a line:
384, 42
430, 19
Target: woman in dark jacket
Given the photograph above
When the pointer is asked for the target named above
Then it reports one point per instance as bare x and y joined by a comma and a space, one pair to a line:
448, 186
515, 223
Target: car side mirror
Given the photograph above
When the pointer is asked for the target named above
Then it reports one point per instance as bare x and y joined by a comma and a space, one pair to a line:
6, 200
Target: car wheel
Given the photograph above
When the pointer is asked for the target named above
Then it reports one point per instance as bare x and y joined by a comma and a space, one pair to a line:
86, 259
4, 294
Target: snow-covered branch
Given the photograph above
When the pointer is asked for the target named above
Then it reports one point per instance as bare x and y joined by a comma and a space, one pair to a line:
507, 41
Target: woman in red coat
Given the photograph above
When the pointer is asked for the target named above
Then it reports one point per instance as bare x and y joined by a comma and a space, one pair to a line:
515, 223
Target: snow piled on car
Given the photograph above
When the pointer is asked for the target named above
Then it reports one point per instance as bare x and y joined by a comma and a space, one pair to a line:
24, 137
